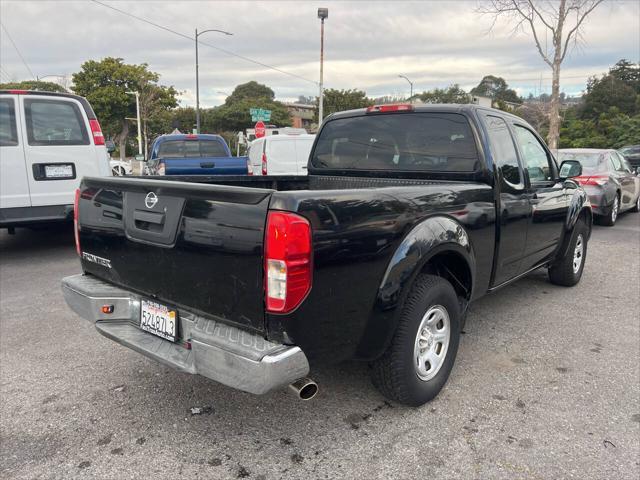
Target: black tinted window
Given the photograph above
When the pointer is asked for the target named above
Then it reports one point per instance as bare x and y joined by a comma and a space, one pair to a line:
503, 149
54, 122
191, 148
534, 156
8, 131
438, 142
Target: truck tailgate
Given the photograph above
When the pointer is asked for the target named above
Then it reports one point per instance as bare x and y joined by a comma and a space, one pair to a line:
192, 243
206, 166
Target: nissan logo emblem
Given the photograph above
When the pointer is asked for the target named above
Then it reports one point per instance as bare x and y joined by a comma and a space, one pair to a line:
150, 200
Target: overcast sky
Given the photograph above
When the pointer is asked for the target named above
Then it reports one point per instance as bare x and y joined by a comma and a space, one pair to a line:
367, 44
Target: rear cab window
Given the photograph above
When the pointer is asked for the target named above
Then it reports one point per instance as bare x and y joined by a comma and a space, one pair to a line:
8, 127
191, 149
54, 122
417, 142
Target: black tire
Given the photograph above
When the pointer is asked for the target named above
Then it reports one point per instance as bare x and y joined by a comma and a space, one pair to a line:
609, 220
394, 374
636, 207
563, 272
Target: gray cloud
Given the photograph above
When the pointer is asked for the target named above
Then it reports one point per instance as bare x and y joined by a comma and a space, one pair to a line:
368, 44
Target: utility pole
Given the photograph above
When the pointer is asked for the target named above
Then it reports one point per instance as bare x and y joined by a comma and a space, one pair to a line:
137, 94
323, 13
197, 78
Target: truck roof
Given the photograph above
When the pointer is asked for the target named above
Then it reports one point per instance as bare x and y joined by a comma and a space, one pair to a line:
189, 136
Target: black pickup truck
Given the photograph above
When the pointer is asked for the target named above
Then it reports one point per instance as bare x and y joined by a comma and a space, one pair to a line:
408, 214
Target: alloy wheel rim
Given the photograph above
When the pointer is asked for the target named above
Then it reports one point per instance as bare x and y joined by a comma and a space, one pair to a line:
578, 254
614, 210
432, 342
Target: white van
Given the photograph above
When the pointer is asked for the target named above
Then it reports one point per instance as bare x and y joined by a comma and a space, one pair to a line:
48, 142
280, 154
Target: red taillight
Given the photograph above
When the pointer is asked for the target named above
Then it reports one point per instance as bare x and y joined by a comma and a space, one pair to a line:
98, 137
403, 107
593, 180
191, 136
18, 92
75, 220
287, 261
249, 167
264, 163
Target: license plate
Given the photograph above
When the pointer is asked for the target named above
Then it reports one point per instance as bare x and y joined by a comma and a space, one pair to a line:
158, 319
58, 171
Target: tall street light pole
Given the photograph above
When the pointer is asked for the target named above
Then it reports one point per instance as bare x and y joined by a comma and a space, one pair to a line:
323, 13
411, 84
137, 94
197, 79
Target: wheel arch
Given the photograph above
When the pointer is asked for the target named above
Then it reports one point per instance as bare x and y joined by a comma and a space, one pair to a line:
438, 245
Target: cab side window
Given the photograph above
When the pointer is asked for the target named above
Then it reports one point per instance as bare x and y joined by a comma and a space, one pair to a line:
504, 151
537, 162
8, 129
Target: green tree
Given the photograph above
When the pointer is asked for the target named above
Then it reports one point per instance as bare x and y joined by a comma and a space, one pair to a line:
33, 85
620, 88
105, 84
234, 116
339, 100
451, 94
497, 89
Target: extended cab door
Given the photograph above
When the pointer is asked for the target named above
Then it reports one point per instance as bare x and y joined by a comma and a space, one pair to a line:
513, 203
14, 183
547, 195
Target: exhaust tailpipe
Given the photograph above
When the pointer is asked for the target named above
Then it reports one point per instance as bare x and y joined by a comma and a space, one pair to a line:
304, 388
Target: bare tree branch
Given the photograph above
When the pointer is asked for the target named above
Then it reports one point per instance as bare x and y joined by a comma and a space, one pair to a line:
578, 24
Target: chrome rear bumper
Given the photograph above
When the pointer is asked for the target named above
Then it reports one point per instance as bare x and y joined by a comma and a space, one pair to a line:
226, 354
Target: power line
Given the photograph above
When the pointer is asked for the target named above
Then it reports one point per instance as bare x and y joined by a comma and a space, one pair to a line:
228, 52
17, 50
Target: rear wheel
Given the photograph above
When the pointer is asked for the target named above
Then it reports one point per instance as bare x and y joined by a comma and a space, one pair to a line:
567, 271
610, 219
419, 360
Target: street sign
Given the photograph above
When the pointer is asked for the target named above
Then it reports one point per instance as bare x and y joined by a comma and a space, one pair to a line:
260, 129
260, 115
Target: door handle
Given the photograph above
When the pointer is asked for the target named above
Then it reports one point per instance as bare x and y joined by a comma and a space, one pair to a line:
207, 165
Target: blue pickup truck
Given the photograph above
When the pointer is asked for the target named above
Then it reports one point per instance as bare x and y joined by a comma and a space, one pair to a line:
194, 154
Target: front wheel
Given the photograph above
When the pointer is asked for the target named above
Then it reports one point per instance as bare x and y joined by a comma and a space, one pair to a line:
419, 360
636, 208
567, 271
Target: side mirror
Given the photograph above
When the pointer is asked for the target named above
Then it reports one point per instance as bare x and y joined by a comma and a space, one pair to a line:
111, 146
570, 169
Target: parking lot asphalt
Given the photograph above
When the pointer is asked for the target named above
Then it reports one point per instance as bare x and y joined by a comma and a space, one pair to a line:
546, 385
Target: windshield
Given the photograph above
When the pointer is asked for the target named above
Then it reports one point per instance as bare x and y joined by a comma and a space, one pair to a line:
437, 142
191, 148
591, 162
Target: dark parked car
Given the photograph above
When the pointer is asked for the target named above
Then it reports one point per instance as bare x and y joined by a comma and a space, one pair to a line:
408, 214
632, 154
611, 183
194, 154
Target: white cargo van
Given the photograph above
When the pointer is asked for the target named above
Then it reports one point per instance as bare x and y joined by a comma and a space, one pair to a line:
280, 154
48, 142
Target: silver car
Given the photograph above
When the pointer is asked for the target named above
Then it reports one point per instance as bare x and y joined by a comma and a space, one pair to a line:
611, 183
